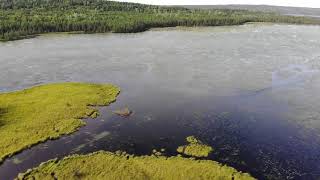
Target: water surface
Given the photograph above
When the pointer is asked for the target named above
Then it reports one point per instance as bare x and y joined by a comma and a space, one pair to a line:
249, 91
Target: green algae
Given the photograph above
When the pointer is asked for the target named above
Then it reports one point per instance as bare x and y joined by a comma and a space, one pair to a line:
195, 148
112, 166
34, 115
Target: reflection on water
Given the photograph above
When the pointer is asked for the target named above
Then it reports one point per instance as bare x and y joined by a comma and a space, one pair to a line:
248, 92
292, 74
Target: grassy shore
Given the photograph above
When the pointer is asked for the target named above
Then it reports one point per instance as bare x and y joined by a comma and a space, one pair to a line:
106, 165
34, 115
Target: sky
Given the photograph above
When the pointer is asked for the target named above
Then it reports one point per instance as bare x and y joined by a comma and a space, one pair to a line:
296, 3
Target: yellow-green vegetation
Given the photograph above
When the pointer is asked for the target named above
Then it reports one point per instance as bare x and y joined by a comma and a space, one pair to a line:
195, 148
34, 115
107, 165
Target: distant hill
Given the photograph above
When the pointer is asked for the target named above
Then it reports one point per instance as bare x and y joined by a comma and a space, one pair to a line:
295, 11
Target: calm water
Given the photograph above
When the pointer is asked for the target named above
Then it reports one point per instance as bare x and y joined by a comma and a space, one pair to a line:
252, 92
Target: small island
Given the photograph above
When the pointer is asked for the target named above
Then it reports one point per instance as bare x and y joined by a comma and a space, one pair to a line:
195, 148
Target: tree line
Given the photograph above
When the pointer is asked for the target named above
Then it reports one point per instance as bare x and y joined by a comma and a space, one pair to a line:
24, 18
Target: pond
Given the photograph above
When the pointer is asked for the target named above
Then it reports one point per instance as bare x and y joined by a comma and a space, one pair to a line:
250, 91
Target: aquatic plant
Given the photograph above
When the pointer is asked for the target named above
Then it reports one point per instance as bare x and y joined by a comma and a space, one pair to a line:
17, 161
46, 112
125, 112
113, 166
195, 148
155, 152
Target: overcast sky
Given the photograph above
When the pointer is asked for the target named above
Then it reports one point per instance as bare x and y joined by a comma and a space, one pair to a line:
297, 3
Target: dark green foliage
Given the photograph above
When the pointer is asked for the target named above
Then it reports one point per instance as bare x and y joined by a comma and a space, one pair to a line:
105, 5
26, 18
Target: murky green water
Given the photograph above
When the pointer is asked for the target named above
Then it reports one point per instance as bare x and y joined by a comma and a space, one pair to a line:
252, 92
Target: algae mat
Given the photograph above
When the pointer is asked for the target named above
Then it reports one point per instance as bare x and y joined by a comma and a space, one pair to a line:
44, 112
107, 165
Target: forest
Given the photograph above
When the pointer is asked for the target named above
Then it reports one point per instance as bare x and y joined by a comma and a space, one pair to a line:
27, 18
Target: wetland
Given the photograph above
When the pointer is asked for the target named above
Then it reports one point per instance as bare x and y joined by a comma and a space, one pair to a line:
250, 92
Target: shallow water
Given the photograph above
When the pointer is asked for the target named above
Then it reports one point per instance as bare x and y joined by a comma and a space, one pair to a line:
249, 91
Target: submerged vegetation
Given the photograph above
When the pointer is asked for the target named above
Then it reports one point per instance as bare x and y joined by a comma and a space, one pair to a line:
125, 112
27, 18
195, 148
34, 115
107, 165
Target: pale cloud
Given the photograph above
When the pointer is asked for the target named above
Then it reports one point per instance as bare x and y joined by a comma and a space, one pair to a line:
297, 3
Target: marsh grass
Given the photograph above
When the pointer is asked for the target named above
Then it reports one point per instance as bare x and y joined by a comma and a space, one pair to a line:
34, 115
195, 148
107, 165
3, 111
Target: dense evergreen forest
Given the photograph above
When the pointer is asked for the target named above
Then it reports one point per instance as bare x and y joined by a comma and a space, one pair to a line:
25, 18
